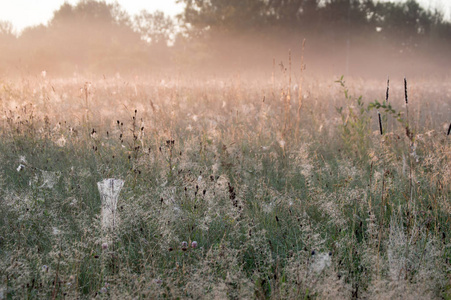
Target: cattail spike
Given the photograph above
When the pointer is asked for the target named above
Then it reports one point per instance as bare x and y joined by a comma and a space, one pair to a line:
405, 90
388, 88
380, 123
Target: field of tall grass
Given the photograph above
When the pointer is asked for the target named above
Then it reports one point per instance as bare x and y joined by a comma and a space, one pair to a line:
233, 188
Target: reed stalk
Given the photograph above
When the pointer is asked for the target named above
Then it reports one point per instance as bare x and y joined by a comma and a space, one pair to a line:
409, 134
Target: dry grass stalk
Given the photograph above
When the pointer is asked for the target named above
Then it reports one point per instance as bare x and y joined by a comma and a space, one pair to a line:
273, 76
301, 81
288, 96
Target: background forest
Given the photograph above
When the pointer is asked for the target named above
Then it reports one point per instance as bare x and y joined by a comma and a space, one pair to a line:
341, 35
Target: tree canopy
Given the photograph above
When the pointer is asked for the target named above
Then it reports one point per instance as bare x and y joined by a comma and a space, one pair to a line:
97, 35
402, 19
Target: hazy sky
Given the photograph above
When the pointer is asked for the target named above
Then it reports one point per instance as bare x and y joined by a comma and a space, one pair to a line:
23, 13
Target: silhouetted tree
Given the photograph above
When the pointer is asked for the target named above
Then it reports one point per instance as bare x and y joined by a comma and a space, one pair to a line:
155, 28
226, 15
93, 33
6, 29
293, 13
7, 41
406, 20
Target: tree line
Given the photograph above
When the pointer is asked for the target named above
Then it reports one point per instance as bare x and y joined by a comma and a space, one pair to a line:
406, 19
96, 36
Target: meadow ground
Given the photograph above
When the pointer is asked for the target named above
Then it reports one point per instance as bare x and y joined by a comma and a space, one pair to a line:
232, 189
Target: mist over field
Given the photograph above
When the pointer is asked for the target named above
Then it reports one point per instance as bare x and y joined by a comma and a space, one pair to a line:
249, 149
358, 38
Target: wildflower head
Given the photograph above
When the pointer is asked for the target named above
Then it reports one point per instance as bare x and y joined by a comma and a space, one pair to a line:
282, 144
184, 245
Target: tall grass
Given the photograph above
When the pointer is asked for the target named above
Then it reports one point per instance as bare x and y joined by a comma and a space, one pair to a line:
332, 212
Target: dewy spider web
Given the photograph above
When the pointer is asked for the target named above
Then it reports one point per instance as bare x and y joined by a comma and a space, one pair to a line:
109, 192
